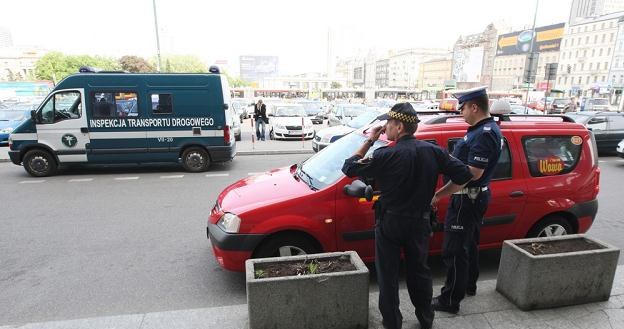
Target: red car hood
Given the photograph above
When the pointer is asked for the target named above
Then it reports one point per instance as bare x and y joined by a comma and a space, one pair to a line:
260, 190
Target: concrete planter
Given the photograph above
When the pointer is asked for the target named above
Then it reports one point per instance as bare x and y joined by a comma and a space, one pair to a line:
329, 300
567, 278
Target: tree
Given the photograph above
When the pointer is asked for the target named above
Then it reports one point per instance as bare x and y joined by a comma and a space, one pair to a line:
335, 85
235, 81
135, 64
182, 64
56, 65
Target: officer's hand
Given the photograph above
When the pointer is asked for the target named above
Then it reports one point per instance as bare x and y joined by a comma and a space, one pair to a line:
377, 131
434, 202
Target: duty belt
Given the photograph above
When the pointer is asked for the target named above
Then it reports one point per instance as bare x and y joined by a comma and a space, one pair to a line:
472, 190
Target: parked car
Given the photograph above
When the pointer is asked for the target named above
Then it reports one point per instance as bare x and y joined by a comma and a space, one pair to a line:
546, 183
11, 118
559, 106
620, 149
236, 124
331, 134
425, 106
341, 114
240, 108
289, 121
521, 109
312, 109
608, 127
595, 104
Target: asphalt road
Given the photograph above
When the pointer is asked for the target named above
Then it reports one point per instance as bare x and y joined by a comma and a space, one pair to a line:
121, 240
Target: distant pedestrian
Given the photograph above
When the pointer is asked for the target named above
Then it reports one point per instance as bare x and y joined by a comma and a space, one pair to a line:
261, 119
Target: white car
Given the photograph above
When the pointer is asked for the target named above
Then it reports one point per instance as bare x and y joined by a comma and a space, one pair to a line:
331, 134
620, 149
289, 121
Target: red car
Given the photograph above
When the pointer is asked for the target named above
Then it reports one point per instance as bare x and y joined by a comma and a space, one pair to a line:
546, 183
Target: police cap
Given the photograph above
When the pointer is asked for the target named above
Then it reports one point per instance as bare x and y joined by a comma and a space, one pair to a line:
465, 95
402, 112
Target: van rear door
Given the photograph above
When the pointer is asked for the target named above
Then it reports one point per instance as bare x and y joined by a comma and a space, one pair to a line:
62, 125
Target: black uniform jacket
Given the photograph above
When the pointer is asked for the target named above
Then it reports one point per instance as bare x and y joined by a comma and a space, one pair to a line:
407, 173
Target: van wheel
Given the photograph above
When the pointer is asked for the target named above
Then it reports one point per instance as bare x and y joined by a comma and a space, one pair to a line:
284, 245
39, 163
195, 159
237, 138
551, 226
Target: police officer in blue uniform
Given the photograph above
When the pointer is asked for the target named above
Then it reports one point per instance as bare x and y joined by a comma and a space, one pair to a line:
406, 174
479, 150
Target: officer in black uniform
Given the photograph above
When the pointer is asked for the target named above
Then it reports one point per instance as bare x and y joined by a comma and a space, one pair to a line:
406, 174
479, 149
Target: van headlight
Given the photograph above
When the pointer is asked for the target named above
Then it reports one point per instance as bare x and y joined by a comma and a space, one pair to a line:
7, 130
229, 222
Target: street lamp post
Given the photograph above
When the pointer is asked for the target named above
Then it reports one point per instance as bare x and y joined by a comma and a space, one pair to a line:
158, 63
531, 51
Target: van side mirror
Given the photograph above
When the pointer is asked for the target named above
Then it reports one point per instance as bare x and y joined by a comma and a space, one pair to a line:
359, 189
33, 115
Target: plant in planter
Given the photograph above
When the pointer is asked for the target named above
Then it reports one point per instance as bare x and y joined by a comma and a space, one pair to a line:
328, 290
556, 271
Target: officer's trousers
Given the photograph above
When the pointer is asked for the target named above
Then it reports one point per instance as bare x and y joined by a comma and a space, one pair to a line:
460, 251
393, 233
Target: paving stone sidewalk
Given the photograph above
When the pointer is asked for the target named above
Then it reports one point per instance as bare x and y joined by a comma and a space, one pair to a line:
486, 310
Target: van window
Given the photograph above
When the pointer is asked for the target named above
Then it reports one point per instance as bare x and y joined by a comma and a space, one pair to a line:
162, 103
114, 104
552, 155
62, 106
616, 122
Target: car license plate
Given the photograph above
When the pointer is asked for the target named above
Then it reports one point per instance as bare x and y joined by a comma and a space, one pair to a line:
294, 132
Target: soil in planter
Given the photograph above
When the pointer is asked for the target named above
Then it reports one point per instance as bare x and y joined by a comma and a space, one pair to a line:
558, 247
303, 267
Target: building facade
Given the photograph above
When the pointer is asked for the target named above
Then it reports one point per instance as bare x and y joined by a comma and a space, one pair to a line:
434, 73
404, 66
616, 72
586, 56
18, 63
382, 73
473, 58
591, 8
511, 60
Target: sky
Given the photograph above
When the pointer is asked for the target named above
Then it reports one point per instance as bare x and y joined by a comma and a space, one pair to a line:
295, 31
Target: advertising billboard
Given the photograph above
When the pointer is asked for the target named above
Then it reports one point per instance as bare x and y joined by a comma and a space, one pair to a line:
545, 38
467, 64
255, 68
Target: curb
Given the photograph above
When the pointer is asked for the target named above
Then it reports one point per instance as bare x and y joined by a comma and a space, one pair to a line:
274, 152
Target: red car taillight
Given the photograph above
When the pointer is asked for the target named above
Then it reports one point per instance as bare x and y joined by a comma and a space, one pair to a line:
226, 135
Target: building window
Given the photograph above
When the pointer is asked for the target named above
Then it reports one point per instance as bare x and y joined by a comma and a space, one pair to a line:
578, 42
574, 67
587, 79
611, 40
604, 37
608, 51
579, 80
600, 52
602, 26
587, 39
596, 79
595, 39
593, 52
590, 66
571, 42
559, 80
603, 78
582, 66
565, 80
606, 67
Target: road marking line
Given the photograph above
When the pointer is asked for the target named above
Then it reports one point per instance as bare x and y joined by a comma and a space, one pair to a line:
171, 176
621, 160
76, 180
218, 175
31, 181
255, 173
601, 161
127, 178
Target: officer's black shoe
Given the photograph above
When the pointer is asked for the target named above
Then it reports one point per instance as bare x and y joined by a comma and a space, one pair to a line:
441, 307
471, 293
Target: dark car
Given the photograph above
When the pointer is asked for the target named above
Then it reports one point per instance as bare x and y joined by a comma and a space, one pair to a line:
10, 118
559, 106
608, 127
